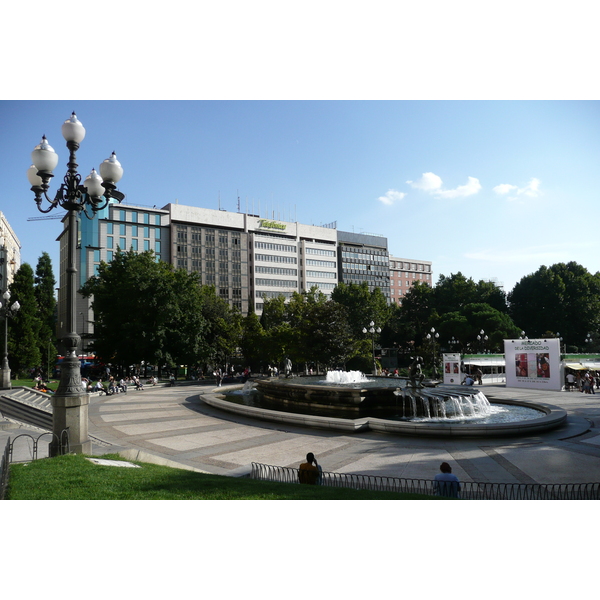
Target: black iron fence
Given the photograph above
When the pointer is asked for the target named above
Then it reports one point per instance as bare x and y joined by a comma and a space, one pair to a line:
30, 453
4, 465
469, 490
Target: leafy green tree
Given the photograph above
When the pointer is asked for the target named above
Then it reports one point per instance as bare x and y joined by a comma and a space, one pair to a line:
362, 305
45, 284
252, 341
564, 297
223, 328
146, 310
24, 327
328, 334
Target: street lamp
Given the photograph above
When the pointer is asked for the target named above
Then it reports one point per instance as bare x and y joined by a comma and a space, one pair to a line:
483, 339
372, 330
432, 337
70, 402
7, 310
588, 339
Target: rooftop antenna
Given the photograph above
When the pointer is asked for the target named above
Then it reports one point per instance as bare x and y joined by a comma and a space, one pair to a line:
219, 199
238, 200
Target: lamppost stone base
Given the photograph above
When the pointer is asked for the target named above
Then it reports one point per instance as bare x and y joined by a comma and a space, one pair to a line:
6, 384
71, 412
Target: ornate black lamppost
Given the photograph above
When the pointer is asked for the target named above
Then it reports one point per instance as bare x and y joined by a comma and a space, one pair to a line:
432, 336
70, 402
373, 330
482, 338
7, 310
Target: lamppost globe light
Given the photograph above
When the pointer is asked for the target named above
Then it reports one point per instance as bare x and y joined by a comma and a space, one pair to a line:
16, 306
372, 324
73, 130
111, 169
32, 175
93, 183
43, 156
364, 330
6, 295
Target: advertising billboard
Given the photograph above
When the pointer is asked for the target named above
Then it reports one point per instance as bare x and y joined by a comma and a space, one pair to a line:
452, 375
533, 363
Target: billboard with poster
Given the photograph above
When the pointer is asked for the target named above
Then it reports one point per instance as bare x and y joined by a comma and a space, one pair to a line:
452, 375
533, 363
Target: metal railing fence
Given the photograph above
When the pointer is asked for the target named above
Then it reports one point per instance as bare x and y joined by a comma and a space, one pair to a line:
62, 447
470, 490
4, 467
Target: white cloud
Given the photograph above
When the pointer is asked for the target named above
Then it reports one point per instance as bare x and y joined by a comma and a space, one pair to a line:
391, 196
471, 187
532, 189
429, 182
432, 183
504, 188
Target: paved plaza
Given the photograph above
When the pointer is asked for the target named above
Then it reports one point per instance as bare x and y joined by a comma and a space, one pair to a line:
172, 425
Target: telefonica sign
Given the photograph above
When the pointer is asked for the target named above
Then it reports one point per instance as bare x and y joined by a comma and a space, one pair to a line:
271, 224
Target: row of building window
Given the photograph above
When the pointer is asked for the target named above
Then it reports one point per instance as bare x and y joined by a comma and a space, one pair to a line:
380, 258
276, 258
134, 229
122, 244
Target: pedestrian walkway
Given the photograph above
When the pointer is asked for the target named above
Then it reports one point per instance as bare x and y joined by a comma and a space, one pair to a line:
174, 426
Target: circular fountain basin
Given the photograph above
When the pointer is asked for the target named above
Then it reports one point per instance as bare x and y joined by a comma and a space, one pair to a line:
315, 404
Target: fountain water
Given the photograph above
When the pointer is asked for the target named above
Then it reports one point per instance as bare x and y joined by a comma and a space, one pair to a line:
344, 377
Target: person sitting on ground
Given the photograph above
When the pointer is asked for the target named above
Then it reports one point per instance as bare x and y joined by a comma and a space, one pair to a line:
446, 483
309, 471
469, 380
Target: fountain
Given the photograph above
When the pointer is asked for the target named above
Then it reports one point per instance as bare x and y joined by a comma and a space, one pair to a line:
351, 402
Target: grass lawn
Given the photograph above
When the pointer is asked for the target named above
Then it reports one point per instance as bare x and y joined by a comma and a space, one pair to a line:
73, 477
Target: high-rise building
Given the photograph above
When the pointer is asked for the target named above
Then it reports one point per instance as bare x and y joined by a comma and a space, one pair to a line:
364, 257
404, 272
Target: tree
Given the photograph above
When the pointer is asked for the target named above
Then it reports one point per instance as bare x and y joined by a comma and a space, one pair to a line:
23, 338
147, 311
562, 297
223, 328
46, 305
252, 341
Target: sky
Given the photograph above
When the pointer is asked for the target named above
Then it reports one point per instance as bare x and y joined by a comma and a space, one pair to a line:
493, 189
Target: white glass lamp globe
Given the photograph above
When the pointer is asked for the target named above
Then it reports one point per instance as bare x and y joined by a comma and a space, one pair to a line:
43, 156
16, 306
34, 178
111, 169
93, 183
73, 130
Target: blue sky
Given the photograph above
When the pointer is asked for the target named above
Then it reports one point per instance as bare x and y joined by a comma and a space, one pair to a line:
493, 189
467, 133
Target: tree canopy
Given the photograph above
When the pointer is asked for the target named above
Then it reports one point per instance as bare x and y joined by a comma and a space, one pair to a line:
145, 310
563, 298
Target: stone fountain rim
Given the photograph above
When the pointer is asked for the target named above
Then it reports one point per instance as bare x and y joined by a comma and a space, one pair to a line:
554, 417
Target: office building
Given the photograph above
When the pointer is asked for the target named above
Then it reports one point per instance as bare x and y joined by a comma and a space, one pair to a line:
404, 273
364, 257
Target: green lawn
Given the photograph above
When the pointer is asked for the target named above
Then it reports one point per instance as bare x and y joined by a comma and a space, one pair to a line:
73, 477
